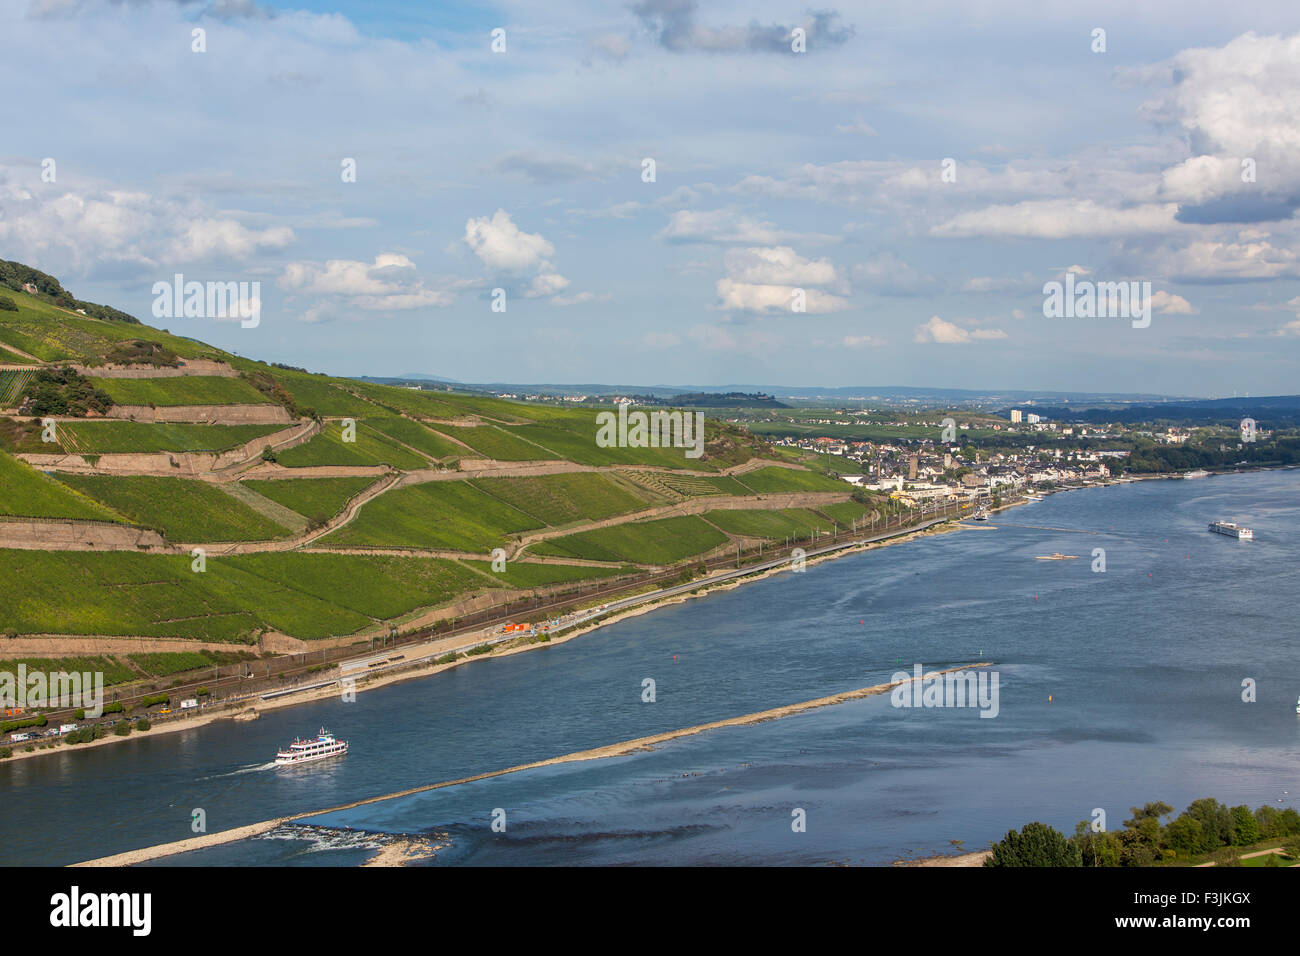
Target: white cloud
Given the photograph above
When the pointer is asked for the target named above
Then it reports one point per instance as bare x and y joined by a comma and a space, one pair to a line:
721, 226
1059, 219
749, 297
1169, 304
947, 333
503, 245
390, 283
779, 265
861, 341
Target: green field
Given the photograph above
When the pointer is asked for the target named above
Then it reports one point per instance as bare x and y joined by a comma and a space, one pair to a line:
182, 509
301, 594
578, 443
662, 541
370, 448
437, 514
524, 574
26, 492
768, 480
323, 395
422, 439
109, 437
165, 663
114, 672
845, 513
317, 499
421, 404
560, 499
183, 390
12, 383
790, 522
502, 444
55, 335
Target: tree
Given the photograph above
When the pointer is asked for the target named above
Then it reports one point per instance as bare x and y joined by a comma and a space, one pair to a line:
1185, 835
1096, 849
1245, 831
1036, 845
1215, 820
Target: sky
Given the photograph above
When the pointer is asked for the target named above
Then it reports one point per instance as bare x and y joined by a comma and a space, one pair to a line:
677, 192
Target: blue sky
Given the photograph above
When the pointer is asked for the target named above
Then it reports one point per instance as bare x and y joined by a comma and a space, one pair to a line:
776, 171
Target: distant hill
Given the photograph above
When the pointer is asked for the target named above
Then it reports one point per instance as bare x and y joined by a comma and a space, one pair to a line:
18, 277
1275, 411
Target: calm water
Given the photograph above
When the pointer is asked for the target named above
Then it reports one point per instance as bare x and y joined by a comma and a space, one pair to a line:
1143, 665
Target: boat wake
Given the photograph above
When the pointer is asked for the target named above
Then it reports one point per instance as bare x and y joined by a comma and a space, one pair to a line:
251, 768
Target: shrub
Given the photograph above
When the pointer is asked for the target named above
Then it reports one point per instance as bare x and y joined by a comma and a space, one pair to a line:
142, 724
202, 692
7, 304
1036, 845
6, 753
122, 728
153, 699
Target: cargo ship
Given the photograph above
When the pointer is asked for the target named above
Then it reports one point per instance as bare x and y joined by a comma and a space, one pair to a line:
1232, 530
302, 751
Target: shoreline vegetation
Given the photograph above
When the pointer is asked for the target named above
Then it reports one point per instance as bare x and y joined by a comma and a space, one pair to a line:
438, 647
1207, 833
623, 748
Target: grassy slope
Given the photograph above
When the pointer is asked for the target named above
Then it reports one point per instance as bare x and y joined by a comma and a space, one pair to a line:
313, 498
106, 437
559, 499
370, 448
26, 492
182, 509
54, 335
304, 595
438, 514
422, 439
662, 541
185, 390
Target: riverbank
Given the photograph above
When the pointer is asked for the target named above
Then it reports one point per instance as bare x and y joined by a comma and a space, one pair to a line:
436, 648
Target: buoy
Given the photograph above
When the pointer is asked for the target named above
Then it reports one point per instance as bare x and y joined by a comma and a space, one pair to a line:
1049, 698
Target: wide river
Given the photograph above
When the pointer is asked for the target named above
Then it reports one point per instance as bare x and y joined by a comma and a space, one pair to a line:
1116, 688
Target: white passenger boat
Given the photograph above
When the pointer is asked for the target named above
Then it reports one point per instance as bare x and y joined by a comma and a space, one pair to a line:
303, 751
1232, 530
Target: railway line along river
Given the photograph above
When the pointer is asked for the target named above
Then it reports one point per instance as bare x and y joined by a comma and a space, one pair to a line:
1117, 687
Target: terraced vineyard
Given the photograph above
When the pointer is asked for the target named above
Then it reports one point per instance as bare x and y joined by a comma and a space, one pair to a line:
662, 541
123, 437
499, 443
182, 510
560, 499
304, 595
186, 390
789, 522
26, 492
370, 448
316, 499
435, 515
312, 593
12, 383
417, 436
